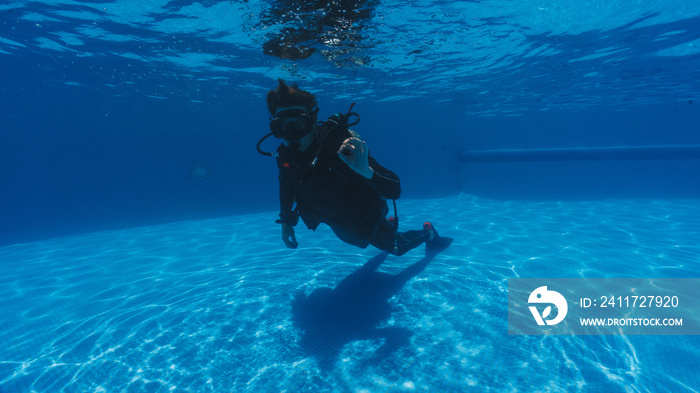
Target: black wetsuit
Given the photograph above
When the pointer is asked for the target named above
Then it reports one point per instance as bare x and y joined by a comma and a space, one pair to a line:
331, 192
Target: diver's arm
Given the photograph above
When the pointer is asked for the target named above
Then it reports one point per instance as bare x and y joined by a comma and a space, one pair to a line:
384, 181
355, 153
287, 213
288, 217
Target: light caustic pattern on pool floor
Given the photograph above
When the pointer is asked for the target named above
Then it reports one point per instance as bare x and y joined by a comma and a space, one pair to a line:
207, 305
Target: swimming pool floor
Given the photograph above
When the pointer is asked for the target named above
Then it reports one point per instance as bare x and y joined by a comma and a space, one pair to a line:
219, 305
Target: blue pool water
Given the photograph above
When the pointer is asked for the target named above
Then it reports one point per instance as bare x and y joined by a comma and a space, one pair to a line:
207, 305
138, 249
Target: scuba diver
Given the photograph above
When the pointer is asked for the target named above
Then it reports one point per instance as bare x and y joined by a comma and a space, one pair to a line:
326, 170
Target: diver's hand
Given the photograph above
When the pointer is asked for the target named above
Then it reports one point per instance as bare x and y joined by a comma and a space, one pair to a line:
355, 153
288, 236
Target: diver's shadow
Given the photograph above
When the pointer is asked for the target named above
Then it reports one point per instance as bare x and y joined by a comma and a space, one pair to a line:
331, 318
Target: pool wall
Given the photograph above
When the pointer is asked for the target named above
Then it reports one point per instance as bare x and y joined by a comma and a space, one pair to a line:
76, 160
651, 152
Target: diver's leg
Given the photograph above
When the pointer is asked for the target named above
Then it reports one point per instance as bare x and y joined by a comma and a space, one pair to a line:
386, 238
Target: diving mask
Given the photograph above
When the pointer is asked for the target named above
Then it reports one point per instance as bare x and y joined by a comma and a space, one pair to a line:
293, 123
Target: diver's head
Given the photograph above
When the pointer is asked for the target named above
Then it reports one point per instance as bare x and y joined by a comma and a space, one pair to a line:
292, 122
292, 110
289, 96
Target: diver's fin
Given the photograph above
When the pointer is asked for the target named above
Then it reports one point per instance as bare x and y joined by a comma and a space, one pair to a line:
438, 243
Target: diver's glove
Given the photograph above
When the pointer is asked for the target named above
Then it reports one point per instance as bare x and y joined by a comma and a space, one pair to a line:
288, 236
288, 221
